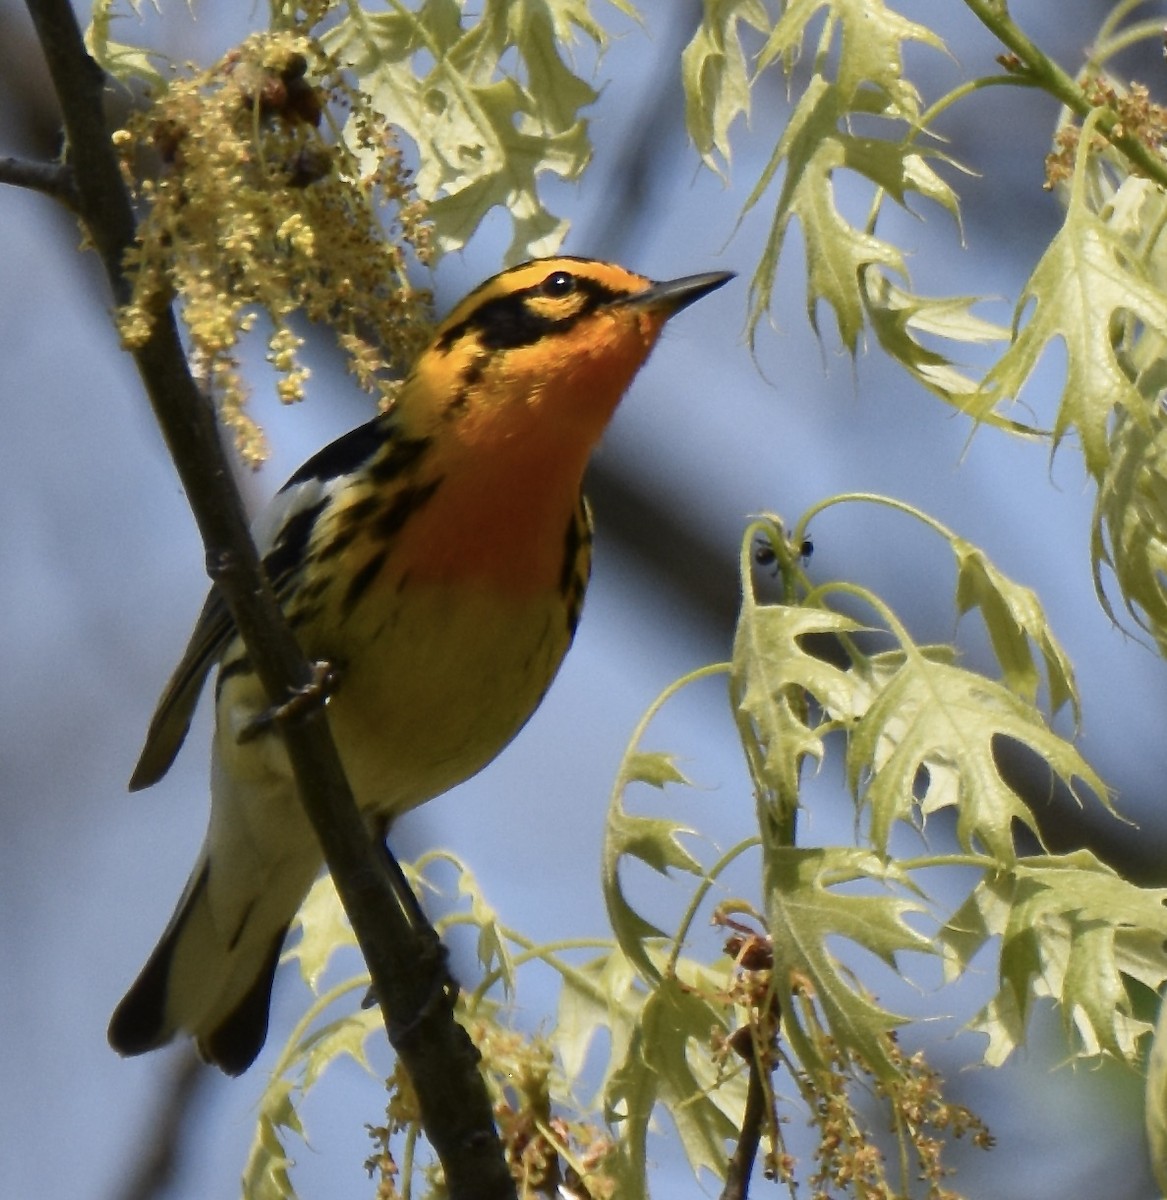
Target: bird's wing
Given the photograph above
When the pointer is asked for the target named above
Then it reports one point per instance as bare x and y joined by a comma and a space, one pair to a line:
172, 717
282, 533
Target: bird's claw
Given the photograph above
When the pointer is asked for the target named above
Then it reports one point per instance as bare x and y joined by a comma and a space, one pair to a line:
301, 703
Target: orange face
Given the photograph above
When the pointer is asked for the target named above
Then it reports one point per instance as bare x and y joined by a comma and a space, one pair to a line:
525, 375
546, 350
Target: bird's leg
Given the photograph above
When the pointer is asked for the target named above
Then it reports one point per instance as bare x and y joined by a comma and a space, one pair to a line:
326, 677
406, 896
435, 957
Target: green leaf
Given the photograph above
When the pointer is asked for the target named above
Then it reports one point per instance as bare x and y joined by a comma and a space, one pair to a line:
600, 995
655, 768
1087, 285
658, 1068
344, 1037
655, 841
859, 72
265, 1174
933, 724
716, 74
492, 949
897, 315
632, 1094
900, 168
870, 51
1073, 930
1014, 619
1156, 1105
921, 730
125, 63
773, 676
812, 147
484, 134
804, 911
324, 929
1129, 532
676, 1017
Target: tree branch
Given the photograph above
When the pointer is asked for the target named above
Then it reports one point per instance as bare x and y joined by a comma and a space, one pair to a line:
53, 179
741, 1163
409, 976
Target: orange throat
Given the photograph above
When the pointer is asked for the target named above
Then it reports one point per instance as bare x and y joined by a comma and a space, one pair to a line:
513, 458
500, 517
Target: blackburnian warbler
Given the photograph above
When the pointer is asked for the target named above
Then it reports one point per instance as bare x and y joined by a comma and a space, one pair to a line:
437, 557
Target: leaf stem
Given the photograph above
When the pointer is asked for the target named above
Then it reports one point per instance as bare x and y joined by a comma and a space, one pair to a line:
1039, 67
532, 952
1118, 14
926, 862
937, 107
699, 894
610, 883
799, 532
292, 1047
1106, 48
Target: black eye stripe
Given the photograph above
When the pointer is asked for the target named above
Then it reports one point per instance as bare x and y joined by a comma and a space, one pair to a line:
507, 322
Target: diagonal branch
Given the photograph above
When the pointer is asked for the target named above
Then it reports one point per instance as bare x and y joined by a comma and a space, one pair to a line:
408, 973
1041, 70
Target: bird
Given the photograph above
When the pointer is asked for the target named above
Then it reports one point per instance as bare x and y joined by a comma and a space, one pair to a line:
436, 558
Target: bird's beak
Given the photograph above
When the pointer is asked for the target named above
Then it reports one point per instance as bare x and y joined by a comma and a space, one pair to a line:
675, 294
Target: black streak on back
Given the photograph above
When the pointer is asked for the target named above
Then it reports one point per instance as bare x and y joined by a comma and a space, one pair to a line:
407, 502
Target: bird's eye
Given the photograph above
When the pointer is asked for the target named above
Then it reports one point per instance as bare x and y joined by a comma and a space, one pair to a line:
559, 283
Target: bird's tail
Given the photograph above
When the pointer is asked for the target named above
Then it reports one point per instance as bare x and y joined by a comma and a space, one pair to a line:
211, 973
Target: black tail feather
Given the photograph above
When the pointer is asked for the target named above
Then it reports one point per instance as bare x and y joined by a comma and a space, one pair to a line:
236, 1043
139, 1022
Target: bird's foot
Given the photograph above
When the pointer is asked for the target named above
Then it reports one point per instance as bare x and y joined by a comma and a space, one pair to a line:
301, 703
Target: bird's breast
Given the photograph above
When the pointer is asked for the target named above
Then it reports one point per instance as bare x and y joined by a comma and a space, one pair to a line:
435, 684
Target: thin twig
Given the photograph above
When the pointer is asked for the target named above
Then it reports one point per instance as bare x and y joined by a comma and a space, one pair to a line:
52, 179
741, 1164
1039, 68
408, 973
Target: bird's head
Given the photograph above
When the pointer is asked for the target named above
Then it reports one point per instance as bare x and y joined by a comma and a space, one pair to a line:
560, 338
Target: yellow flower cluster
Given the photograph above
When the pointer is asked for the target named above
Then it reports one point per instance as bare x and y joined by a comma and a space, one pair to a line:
269, 185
